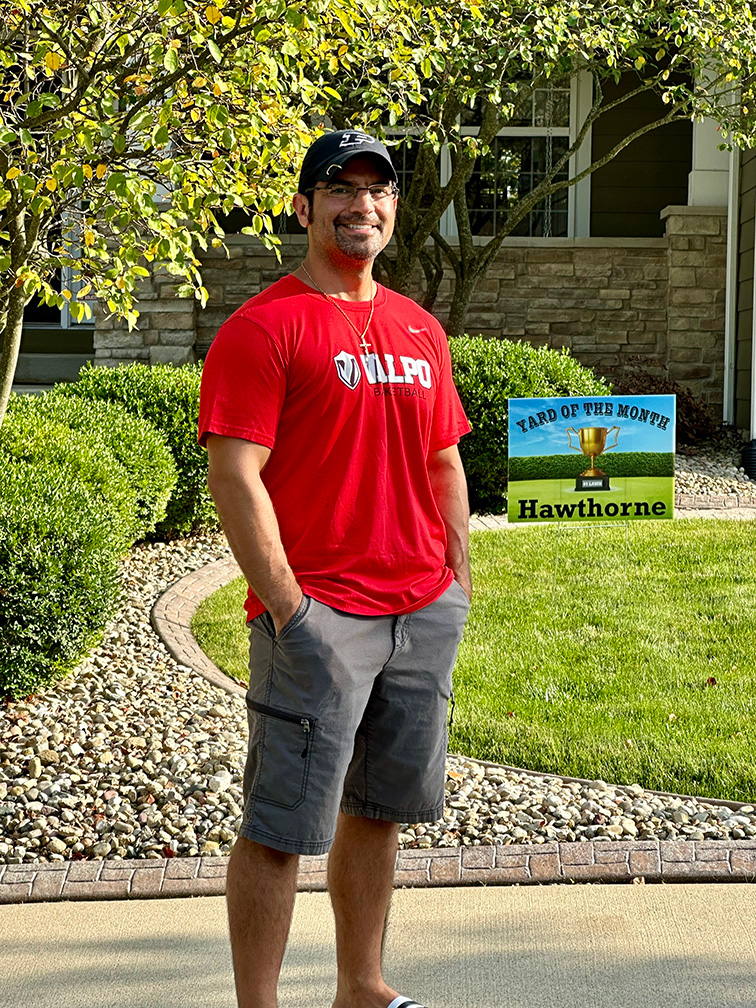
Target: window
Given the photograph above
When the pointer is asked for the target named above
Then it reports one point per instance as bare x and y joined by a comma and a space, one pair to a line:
520, 157
537, 136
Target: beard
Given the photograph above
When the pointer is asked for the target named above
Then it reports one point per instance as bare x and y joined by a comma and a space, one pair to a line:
361, 247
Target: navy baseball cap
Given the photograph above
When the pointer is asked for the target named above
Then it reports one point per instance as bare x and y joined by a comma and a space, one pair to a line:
331, 151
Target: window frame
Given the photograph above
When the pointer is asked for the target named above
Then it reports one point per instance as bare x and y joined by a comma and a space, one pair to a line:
578, 195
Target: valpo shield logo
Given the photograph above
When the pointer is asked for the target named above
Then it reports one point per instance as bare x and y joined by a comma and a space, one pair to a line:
347, 369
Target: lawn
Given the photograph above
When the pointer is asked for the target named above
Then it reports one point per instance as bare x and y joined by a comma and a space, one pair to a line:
624, 490
624, 653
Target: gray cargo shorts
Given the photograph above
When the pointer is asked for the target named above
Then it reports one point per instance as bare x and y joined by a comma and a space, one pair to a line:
347, 712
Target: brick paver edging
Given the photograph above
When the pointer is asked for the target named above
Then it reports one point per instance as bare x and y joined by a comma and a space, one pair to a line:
513, 864
714, 501
172, 613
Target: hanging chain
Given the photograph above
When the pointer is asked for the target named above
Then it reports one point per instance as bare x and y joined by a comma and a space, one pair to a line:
549, 156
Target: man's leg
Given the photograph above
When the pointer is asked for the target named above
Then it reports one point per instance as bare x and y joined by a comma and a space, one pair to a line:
360, 881
260, 891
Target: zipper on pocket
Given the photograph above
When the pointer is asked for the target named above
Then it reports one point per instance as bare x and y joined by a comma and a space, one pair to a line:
307, 723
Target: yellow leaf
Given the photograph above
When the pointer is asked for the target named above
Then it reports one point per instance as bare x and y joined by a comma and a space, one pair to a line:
174, 44
212, 14
53, 61
51, 184
13, 173
66, 294
220, 87
87, 169
100, 170
85, 290
195, 115
89, 238
333, 65
199, 82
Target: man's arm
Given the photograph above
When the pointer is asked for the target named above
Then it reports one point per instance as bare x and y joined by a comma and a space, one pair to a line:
250, 524
447, 478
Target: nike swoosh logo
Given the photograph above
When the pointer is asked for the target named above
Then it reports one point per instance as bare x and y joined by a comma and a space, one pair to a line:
412, 329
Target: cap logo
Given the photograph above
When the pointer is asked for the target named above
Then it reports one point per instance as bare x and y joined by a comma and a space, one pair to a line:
355, 139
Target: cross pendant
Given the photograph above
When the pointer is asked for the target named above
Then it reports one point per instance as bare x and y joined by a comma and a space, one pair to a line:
364, 344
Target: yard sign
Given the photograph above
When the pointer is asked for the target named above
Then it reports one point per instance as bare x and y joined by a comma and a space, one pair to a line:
610, 458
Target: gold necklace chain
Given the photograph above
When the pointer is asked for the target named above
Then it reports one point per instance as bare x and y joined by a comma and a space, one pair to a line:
361, 335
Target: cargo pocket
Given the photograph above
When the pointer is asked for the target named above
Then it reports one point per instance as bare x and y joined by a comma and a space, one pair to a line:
285, 758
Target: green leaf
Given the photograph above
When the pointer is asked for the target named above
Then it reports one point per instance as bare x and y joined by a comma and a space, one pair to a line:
119, 143
160, 136
116, 184
171, 60
141, 120
214, 50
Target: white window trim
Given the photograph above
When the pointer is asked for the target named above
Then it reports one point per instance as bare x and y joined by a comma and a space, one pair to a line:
579, 195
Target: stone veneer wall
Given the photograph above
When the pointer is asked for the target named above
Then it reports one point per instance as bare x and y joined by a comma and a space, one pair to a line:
604, 298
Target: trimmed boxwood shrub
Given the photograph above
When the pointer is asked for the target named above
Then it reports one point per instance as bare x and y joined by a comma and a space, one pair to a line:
58, 572
135, 444
617, 464
487, 372
54, 449
168, 397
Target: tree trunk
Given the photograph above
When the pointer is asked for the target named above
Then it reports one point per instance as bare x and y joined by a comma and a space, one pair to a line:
463, 292
14, 321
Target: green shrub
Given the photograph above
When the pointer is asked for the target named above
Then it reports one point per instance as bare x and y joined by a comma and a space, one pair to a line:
136, 445
618, 464
489, 372
55, 450
58, 573
169, 398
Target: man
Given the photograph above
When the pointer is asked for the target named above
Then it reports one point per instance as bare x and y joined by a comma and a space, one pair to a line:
331, 424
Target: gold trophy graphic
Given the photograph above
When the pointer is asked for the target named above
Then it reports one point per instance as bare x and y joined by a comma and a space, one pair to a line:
592, 443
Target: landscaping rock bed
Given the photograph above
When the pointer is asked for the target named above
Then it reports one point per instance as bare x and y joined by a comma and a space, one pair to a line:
713, 468
136, 756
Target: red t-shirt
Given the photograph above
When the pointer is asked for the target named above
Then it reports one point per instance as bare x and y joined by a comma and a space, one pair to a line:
350, 433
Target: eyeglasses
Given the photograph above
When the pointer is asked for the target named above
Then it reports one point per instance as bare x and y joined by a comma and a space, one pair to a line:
344, 193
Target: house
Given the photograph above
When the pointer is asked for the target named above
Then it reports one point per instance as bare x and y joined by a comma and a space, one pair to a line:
651, 256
